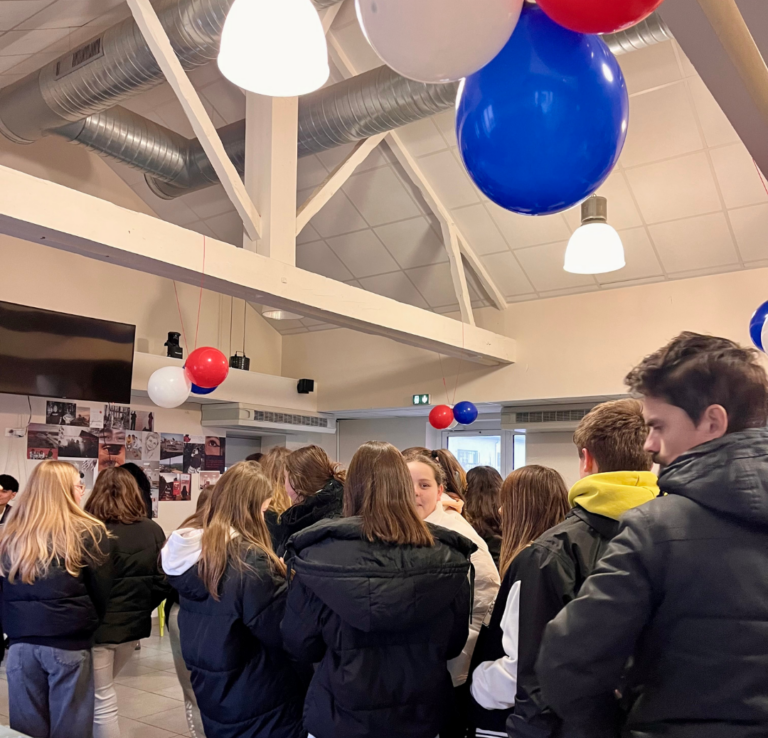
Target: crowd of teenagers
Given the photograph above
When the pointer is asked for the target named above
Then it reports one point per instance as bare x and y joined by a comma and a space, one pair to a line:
403, 598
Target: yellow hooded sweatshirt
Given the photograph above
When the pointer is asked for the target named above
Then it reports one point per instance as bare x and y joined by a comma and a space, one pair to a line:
613, 493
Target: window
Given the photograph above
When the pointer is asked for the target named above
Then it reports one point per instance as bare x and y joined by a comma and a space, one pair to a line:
476, 450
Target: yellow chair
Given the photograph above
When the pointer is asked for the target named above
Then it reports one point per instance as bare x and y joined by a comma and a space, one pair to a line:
161, 618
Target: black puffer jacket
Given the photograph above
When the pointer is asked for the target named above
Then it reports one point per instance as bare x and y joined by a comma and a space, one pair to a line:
244, 683
327, 504
139, 585
383, 621
59, 610
683, 589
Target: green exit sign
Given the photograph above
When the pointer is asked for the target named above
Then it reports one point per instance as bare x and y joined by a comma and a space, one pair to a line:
421, 399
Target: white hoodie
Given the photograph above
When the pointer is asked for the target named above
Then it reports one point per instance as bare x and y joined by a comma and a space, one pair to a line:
182, 551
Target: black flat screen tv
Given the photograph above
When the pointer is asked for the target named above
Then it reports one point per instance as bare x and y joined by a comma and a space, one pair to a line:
52, 354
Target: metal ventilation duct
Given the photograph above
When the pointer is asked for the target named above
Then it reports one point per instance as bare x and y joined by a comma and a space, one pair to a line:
121, 64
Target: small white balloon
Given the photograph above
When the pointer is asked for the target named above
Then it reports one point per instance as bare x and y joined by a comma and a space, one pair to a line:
764, 336
169, 387
438, 40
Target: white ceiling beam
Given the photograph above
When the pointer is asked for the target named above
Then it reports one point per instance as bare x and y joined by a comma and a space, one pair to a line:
335, 180
157, 40
458, 275
328, 15
271, 161
417, 176
97, 229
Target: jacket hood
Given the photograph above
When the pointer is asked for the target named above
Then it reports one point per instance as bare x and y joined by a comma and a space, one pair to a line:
182, 551
329, 500
728, 475
613, 493
376, 586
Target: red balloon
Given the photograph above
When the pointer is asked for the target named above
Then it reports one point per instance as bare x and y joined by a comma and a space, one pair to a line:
441, 417
207, 367
598, 16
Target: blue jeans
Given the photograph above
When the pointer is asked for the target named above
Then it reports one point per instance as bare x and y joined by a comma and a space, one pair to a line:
50, 691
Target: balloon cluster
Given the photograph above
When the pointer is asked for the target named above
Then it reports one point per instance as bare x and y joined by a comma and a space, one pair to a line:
758, 327
205, 370
543, 108
442, 416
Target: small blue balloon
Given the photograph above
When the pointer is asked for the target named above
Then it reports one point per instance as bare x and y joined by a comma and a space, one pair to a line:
465, 413
756, 325
202, 390
541, 127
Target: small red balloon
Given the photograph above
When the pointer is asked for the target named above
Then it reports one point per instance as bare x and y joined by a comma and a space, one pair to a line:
441, 417
598, 16
207, 367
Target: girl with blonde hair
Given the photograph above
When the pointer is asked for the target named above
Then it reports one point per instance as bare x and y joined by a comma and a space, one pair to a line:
275, 465
56, 580
232, 593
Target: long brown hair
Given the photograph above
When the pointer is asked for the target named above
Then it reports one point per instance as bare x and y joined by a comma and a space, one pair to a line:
483, 500
533, 499
116, 498
379, 489
234, 505
310, 469
274, 465
47, 525
453, 473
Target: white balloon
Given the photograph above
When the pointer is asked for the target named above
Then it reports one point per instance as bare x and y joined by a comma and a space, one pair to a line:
764, 336
438, 40
169, 387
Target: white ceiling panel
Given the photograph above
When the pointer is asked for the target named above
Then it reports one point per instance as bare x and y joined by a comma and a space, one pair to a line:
64, 13
544, 267
446, 124
317, 257
435, 284
412, 243
622, 211
24, 43
423, 137
526, 230
450, 180
308, 234
397, 286
380, 197
363, 254
651, 67
227, 100
641, 259
739, 179
479, 229
750, 226
339, 216
227, 227
311, 172
15, 12
718, 130
208, 202
508, 274
678, 188
706, 238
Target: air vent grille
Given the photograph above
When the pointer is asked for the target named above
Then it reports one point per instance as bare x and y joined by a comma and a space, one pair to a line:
261, 416
550, 416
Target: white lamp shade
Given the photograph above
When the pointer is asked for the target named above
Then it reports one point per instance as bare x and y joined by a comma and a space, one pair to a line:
274, 47
595, 248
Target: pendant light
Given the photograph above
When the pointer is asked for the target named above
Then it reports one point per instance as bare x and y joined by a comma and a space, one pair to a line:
595, 247
274, 314
274, 47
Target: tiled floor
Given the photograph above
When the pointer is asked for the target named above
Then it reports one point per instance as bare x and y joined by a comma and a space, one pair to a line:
150, 703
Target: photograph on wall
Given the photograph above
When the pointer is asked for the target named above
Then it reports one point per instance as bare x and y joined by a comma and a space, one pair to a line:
86, 468
185, 487
152, 470
97, 416
193, 439
60, 413
215, 448
171, 452
43, 441
142, 420
194, 454
165, 487
151, 447
134, 446
78, 443
118, 417
155, 509
208, 479
83, 416
111, 454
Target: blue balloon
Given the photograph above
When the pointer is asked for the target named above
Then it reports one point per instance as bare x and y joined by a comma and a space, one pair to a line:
202, 390
541, 127
756, 326
465, 413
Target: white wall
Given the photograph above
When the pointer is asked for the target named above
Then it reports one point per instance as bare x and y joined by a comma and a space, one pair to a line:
555, 450
400, 432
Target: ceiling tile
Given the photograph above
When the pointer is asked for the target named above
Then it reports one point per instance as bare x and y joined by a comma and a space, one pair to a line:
694, 243
208, 202
662, 124
622, 211
228, 227
422, 137
544, 267
308, 234
318, 258
479, 229
286, 325
527, 230
707, 271
15, 43
289, 331
688, 69
397, 286
380, 196
174, 117
202, 228
357, 48
412, 242
363, 254
674, 189
227, 99
64, 13
449, 179
632, 283
506, 272
322, 327
640, 257
714, 122
311, 172
23, 65
569, 291
739, 180
435, 284
347, 14
338, 216
750, 226
331, 158
11, 62
446, 124
650, 67
15, 12
174, 211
